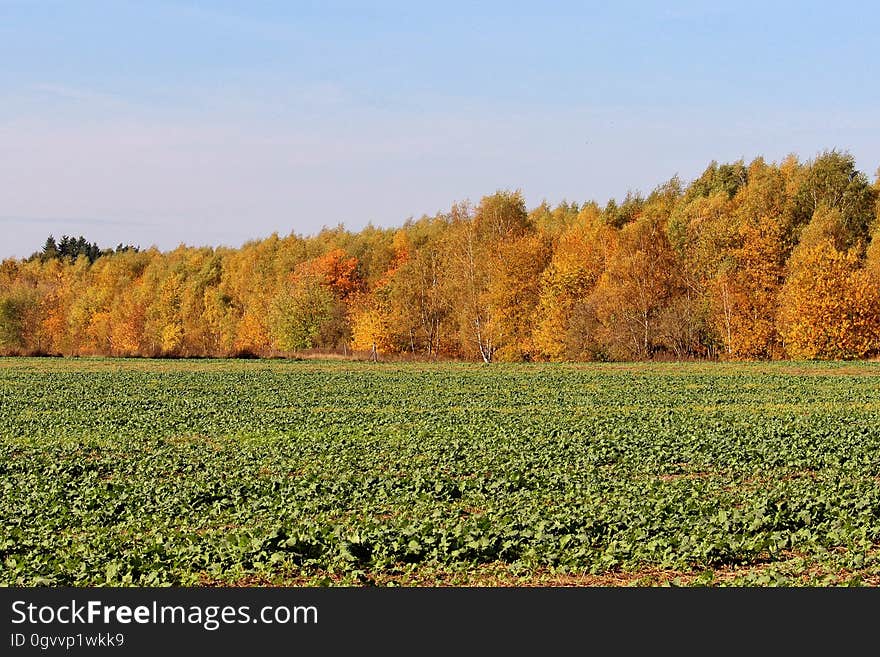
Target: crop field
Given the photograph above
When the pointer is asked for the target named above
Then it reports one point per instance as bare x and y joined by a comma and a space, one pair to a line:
253, 473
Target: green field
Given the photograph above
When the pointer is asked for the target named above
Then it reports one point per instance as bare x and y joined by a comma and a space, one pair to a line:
152, 472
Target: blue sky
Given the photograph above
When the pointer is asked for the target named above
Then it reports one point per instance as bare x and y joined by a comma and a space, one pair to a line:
161, 122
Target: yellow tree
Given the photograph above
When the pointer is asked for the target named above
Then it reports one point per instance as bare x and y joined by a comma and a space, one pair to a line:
635, 287
416, 291
219, 322
744, 283
743, 295
552, 222
371, 325
21, 311
478, 273
129, 316
872, 257
62, 281
829, 307
165, 321
100, 307
577, 263
514, 290
200, 271
250, 280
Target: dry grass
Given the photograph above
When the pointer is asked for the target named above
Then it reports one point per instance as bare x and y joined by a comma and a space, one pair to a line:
316, 358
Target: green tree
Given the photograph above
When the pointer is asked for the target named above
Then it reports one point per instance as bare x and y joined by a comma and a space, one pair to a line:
832, 180
299, 311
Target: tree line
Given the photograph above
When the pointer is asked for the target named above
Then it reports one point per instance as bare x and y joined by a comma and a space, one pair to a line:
71, 248
748, 261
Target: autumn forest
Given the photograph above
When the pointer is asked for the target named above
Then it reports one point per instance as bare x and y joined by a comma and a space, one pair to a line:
749, 261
